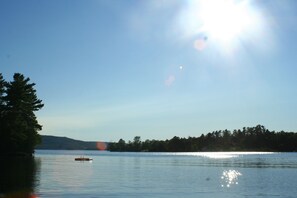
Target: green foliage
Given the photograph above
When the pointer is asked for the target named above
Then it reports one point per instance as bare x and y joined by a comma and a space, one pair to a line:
18, 123
256, 138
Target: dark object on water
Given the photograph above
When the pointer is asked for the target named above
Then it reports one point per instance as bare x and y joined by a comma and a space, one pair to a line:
83, 159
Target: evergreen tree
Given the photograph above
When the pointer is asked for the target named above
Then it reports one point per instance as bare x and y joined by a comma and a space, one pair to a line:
2, 91
20, 127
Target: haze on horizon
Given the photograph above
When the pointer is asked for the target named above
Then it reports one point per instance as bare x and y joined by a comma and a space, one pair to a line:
107, 70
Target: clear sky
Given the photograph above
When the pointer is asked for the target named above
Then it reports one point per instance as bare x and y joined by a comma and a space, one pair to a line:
107, 70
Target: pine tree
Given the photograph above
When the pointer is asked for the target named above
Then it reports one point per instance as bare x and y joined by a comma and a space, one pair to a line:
20, 125
2, 91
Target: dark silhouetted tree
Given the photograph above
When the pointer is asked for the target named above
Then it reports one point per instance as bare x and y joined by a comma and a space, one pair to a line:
121, 145
2, 90
136, 145
2, 106
19, 128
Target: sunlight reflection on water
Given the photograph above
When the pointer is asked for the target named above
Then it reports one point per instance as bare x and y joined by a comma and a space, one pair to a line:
230, 177
221, 155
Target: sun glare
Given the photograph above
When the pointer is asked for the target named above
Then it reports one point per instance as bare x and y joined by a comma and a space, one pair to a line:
225, 23
224, 20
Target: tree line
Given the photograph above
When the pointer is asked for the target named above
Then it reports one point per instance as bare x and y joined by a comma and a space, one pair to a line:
18, 123
256, 138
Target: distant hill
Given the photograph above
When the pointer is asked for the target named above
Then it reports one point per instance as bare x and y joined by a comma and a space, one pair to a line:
64, 143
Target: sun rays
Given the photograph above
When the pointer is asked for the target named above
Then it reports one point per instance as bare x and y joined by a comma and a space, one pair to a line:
222, 23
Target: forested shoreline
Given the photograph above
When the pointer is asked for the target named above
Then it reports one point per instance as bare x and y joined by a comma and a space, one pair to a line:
256, 138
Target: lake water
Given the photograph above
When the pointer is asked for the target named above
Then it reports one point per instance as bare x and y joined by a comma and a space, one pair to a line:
164, 175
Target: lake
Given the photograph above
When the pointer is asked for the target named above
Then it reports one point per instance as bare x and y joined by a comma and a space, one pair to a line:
164, 175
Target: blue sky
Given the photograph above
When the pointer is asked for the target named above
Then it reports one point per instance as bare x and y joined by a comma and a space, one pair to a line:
107, 70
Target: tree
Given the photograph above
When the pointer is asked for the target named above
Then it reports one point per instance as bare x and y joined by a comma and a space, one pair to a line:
121, 145
2, 89
137, 143
19, 123
2, 106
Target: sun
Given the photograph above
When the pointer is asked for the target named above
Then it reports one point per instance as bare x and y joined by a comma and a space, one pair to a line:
223, 22
226, 19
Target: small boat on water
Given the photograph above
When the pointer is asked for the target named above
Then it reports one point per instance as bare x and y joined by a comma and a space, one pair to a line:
83, 159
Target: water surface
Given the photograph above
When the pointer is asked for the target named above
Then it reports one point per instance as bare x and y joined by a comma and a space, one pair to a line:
230, 174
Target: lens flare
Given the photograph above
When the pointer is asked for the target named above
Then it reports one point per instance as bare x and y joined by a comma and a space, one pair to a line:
169, 81
33, 196
101, 146
200, 44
